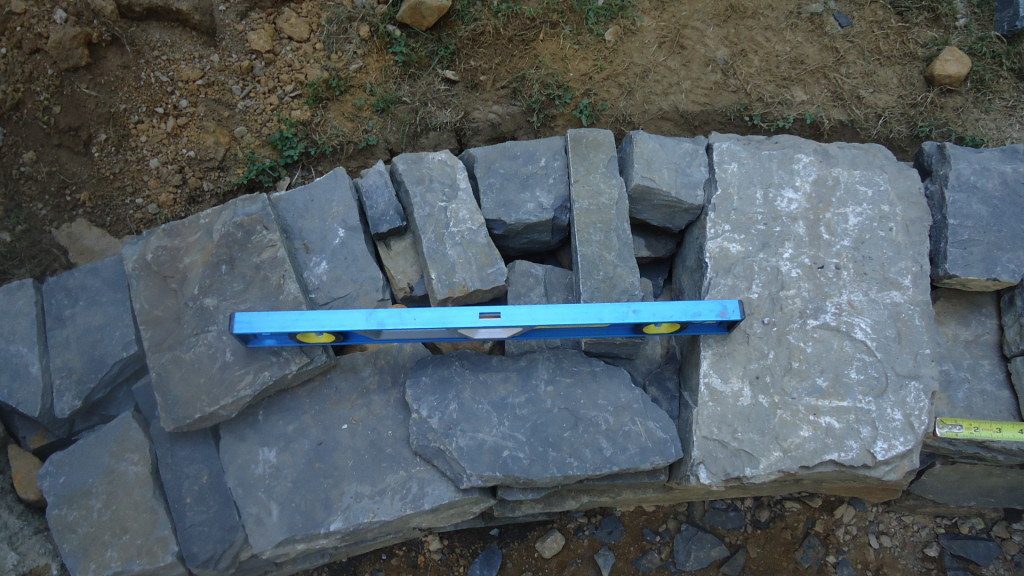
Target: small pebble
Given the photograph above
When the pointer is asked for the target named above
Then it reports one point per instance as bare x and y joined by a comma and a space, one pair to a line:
550, 544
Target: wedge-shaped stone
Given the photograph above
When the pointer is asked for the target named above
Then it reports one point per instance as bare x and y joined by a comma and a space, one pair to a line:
602, 244
829, 377
523, 188
650, 244
542, 419
206, 522
329, 245
90, 331
531, 283
384, 213
26, 545
328, 466
186, 278
460, 262
105, 506
1016, 366
401, 261
25, 377
976, 197
666, 178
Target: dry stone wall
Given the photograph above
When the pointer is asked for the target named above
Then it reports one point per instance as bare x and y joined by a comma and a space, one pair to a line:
172, 449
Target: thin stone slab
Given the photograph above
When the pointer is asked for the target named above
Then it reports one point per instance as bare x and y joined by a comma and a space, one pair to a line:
401, 261
460, 263
666, 178
973, 485
531, 283
523, 188
650, 244
976, 197
328, 465
1016, 366
829, 377
25, 378
542, 419
105, 505
209, 532
91, 334
602, 244
1009, 17
384, 213
186, 278
328, 244
1011, 306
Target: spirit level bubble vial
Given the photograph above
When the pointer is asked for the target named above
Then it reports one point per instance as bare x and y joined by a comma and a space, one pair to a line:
466, 323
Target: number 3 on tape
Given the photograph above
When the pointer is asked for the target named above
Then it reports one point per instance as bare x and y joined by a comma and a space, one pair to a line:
970, 429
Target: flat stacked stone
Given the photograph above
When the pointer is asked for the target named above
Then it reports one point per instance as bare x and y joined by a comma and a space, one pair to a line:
651, 244
666, 178
384, 213
973, 485
543, 419
25, 378
91, 335
209, 532
401, 261
531, 283
976, 196
614, 491
602, 244
329, 245
460, 263
326, 468
827, 382
186, 278
105, 506
523, 188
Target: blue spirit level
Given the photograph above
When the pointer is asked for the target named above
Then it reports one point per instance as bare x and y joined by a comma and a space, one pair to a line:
465, 323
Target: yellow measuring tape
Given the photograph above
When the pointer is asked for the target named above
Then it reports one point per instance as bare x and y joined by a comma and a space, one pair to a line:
970, 429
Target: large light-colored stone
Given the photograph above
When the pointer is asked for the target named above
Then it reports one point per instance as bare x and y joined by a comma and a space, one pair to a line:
602, 244
541, 419
91, 334
25, 475
828, 379
975, 198
86, 242
949, 69
25, 378
422, 14
186, 278
327, 466
105, 506
329, 245
523, 188
460, 263
666, 178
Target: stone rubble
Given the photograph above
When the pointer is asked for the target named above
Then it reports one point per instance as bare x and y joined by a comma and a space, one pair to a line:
223, 452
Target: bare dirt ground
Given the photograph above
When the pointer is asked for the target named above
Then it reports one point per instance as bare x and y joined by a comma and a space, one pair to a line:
164, 121
131, 123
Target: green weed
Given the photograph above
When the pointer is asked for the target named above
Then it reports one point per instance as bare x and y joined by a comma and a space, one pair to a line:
542, 94
940, 131
589, 111
320, 90
291, 143
598, 14
383, 101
